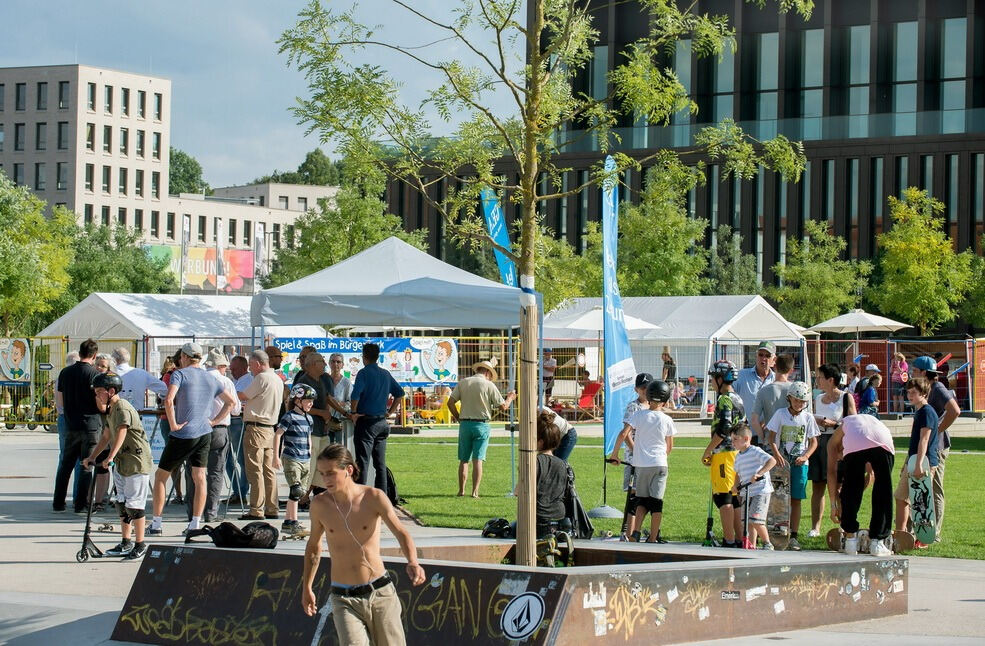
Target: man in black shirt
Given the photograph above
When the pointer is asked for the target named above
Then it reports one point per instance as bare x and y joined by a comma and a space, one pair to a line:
75, 394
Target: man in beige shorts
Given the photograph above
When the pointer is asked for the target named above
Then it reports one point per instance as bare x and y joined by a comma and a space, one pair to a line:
365, 606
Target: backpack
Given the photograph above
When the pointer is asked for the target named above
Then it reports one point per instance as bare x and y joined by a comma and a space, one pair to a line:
391, 490
257, 534
581, 524
860, 387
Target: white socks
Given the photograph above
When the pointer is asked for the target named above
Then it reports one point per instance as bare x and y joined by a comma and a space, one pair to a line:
195, 522
156, 522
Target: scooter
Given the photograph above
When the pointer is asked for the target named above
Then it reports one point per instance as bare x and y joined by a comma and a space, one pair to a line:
89, 549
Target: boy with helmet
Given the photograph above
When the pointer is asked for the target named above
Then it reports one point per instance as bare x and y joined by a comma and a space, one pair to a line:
720, 455
649, 433
793, 434
292, 438
129, 453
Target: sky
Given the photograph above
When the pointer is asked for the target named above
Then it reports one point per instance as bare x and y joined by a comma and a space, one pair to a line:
231, 90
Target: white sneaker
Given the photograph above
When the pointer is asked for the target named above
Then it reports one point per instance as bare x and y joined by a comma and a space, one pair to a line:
766, 546
851, 546
878, 547
813, 533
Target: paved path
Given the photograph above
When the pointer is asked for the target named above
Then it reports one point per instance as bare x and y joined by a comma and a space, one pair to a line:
46, 597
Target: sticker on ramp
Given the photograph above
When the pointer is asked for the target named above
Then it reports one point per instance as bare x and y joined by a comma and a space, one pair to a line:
522, 615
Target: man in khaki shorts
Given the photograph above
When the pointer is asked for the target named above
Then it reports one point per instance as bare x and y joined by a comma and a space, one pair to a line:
365, 606
261, 409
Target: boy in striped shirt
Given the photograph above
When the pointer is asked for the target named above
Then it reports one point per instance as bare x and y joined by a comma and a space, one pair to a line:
751, 466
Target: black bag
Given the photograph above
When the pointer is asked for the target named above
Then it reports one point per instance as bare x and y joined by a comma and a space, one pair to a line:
257, 534
391, 490
581, 524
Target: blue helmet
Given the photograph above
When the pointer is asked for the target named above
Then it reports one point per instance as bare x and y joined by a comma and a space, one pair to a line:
724, 369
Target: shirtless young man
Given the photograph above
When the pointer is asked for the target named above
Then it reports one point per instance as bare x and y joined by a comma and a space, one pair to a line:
365, 606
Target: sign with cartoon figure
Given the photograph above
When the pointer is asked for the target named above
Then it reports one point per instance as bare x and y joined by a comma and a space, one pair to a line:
15, 362
413, 361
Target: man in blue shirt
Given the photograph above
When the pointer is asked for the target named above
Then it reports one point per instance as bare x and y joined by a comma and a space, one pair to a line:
370, 394
750, 380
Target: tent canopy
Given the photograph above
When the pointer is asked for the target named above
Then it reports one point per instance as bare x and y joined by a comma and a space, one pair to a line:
390, 284
687, 318
134, 316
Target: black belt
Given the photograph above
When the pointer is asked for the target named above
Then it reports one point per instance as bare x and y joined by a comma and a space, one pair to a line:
466, 419
362, 590
251, 423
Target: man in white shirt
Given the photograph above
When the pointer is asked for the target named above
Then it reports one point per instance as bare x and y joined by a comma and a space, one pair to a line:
136, 381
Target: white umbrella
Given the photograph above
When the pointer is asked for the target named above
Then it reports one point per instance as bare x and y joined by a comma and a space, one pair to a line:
858, 321
593, 319
804, 331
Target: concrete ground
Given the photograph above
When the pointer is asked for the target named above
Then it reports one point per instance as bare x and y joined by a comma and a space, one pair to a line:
46, 597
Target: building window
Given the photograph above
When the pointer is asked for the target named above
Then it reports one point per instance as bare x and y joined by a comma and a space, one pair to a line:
877, 200
108, 99
138, 219
140, 143
303, 204
247, 233
275, 236
261, 200
124, 141
138, 179
1, 137
20, 97
232, 231
155, 149
141, 104
105, 216
123, 181
107, 139
828, 192
155, 185
90, 176
42, 95
19, 174
904, 70
91, 137
902, 175
2, 92
19, 129
121, 216
170, 226
289, 234
953, 70
158, 106
201, 228
851, 196
61, 176
91, 96
106, 178
125, 101
951, 195
63, 135
155, 224
63, 98
724, 86
41, 136
87, 217
767, 50
927, 174
282, 202
40, 177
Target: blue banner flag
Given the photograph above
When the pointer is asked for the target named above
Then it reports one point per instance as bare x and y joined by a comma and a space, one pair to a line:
496, 224
620, 371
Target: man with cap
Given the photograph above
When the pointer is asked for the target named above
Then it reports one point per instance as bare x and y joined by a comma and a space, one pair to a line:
477, 394
188, 406
947, 408
752, 379
550, 367
136, 381
262, 401
371, 405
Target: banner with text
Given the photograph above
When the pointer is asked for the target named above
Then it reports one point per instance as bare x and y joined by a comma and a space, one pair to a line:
496, 224
199, 275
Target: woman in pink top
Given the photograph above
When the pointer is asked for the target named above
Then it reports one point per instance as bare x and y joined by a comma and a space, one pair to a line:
861, 440
898, 374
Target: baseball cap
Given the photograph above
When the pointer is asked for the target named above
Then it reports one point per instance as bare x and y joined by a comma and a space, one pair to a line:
548, 351
925, 363
192, 349
873, 367
769, 346
643, 379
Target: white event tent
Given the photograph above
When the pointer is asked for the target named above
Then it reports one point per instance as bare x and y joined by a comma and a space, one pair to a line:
391, 284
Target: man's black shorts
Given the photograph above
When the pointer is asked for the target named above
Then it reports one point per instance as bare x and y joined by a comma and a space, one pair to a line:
178, 449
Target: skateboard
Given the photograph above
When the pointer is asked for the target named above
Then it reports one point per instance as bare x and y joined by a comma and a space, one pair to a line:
900, 542
778, 515
922, 502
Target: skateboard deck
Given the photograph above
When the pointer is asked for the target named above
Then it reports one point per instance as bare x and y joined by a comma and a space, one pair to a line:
778, 514
922, 502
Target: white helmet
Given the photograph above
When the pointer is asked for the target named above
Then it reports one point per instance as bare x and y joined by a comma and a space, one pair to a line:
799, 390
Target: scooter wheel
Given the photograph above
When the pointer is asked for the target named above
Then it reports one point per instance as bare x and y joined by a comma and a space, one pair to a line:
31, 427
82, 556
10, 427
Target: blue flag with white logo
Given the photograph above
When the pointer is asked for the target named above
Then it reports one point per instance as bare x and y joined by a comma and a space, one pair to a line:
496, 224
620, 371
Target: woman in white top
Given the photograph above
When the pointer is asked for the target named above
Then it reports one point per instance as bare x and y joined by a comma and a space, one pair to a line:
829, 407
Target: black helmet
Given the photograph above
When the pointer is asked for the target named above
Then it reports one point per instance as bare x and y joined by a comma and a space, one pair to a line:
724, 369
108, 380
658, 391
643, 379
303, 391
497, 528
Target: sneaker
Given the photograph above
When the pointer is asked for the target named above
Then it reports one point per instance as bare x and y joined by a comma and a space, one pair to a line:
767, 547
250, 517
155, 531
177, 500
288, 525
813, 533
920, 545
851, 546
121, 550
273, 516
878, 547
137, 553
794, 544
58, 509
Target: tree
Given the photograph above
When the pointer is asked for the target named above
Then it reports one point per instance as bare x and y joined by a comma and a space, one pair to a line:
34, 255
973, 309
923, 280
729, 270
357, 105
562, 273
815, 284
335, 231
317, 169
185, 174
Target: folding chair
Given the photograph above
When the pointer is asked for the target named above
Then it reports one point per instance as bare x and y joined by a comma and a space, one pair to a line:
587, 405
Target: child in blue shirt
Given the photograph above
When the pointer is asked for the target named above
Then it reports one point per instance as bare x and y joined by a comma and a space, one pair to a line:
293, 440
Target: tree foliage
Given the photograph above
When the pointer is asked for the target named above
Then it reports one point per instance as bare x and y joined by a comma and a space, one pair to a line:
185, 174
973, 309
815, 283
923, 280
729, 270
317, 169
35, 253
356, 220
563, 273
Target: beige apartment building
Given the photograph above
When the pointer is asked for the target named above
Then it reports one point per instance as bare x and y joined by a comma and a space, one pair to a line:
290, 197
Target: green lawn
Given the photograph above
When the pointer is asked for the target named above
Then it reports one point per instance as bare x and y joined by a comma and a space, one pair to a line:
425, 469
